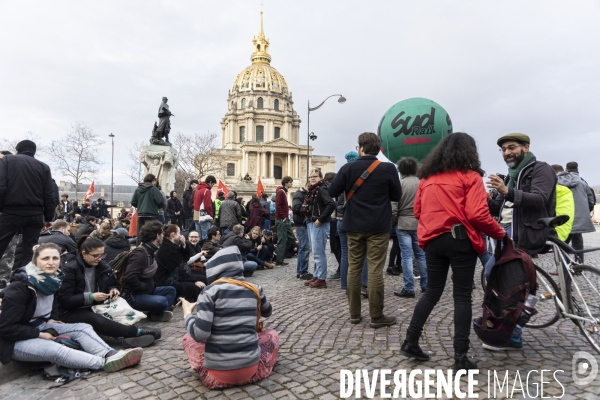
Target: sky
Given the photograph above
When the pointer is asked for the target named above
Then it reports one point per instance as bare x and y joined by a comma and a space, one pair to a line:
496, 67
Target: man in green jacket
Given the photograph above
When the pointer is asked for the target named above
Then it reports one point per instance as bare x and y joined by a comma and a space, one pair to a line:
148, 200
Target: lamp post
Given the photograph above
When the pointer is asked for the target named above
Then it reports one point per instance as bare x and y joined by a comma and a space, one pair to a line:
112, 169
311, 135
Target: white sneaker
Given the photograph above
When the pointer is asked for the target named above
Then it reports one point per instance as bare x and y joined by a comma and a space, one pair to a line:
123, 359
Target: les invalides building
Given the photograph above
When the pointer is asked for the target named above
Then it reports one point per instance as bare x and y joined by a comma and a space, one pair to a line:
261, 129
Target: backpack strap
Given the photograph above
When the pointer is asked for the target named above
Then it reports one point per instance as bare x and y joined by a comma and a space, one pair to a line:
363, 177
247, 285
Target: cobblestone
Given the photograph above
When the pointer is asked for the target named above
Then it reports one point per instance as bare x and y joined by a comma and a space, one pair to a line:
317, 341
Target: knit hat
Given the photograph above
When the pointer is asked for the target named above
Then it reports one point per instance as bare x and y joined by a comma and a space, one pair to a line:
25, 146
517, 137
572, 166
351, 156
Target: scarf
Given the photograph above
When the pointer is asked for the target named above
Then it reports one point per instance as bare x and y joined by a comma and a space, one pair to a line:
513, 173
45, 283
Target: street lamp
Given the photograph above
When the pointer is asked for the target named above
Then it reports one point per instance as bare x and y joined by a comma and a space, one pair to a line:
311, 135
112, 169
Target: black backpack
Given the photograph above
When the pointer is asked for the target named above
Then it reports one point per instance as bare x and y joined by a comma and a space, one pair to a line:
512, 279
120, 262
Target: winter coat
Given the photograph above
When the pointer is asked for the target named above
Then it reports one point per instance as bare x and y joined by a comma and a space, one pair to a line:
169, 256
323, 206
19, 301
243, 244
405, 213
534, 197
84, 229
211, 248
70, 295
99, 210
203, 195
147, 199
114, 246
26, 187
188, 211
57, 237
281, 204
370, 206
583, 222
266, 204
60, 208
97, 235
141, 268
297, 200
230, 212
256, 212
173, 206
85, 210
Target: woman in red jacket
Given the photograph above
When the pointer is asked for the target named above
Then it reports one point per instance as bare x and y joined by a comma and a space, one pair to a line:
452, 210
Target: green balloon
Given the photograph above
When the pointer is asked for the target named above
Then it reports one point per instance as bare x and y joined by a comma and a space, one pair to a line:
412, 128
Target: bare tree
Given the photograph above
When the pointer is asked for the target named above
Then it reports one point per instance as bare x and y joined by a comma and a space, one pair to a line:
76, 154
9, 144
198, 157
135, 167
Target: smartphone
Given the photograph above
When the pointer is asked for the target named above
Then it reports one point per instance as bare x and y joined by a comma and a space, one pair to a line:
459, 231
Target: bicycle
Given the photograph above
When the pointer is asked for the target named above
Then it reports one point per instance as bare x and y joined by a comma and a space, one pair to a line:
575, 296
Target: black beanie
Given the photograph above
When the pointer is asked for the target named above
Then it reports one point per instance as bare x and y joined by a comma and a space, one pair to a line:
26, 146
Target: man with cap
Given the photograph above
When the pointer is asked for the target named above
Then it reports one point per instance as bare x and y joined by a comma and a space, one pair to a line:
583, 197
28, 197
527, 194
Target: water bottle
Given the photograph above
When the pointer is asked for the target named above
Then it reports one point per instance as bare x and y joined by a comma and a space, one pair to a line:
531, 301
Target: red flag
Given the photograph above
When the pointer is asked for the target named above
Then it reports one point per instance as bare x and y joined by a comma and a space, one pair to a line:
222, 188
259, 189
90, 192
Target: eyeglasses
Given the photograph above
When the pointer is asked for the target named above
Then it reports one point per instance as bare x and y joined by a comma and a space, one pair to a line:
193, 237
509, 148
314, 177
98, 256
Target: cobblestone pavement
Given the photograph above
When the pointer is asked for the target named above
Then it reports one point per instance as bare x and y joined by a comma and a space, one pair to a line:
317, 341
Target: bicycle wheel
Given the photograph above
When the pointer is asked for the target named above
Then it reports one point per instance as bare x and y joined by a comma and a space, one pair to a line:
547, 292
584, 291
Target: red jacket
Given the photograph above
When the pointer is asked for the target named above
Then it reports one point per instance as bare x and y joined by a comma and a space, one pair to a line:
281, 204
454, 198
203, 193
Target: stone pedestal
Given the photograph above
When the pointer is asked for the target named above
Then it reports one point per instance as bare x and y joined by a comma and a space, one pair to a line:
161, 161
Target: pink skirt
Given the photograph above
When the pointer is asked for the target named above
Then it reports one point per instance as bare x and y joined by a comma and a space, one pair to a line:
268, 341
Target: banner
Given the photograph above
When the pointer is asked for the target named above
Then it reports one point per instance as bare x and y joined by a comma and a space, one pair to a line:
90, 192
222, 188
259, 189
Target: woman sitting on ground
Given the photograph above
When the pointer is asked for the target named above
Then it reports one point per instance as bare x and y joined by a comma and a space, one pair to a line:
103, 231
89, 281
172, 257
225, 354
260, 252
29, 325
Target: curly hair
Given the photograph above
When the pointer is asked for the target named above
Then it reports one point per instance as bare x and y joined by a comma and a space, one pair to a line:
456, 152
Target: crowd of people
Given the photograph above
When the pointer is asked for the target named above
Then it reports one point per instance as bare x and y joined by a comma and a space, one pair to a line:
197, 251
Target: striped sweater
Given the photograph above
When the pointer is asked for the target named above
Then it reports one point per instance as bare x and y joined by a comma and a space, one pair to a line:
226, 315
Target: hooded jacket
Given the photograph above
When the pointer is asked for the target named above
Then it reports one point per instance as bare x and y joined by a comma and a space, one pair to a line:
583, 222
26, 186
228, 346
147, 199
203, 195
57, 237
256, 211
114, 246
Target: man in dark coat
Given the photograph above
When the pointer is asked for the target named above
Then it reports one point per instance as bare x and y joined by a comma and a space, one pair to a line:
99, 209
59, 235
27, 199
174, 209
87, 227
188, 205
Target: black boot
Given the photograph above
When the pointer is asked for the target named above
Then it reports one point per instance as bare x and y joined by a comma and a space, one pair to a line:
461, 360
392, 271
410, 348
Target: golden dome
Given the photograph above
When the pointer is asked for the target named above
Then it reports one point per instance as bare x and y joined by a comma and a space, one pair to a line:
260, 76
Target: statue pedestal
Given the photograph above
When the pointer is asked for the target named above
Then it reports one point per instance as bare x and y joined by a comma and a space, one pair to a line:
160, 161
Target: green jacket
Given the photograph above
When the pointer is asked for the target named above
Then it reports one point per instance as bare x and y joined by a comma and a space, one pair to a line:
147, 199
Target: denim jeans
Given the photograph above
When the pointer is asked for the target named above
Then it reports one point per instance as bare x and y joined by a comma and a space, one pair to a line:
39, 350
442, 253
303, 250
202, 227
160, 300
344, 261
250, 267
409, 243
254, 258
318, 241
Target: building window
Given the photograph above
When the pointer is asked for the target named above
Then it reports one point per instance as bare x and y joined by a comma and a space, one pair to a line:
276, 105
230, 169
260, 133
277, 132
259, 102
242, 134
232, 105
243, 103
277, 172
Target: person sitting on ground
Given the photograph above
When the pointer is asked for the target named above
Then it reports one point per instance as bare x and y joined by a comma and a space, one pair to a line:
211, 245
172, 257
29, 325
123, 223
59, 235
194, 242
259, 252
116, 244
139, 287
103, 231
86, 228
243, 243
88, 281
223, 354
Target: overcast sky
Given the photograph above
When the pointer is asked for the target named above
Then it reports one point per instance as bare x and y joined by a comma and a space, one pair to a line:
510, 66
